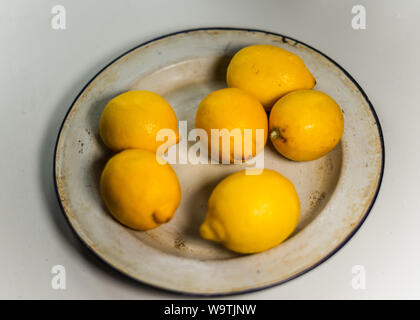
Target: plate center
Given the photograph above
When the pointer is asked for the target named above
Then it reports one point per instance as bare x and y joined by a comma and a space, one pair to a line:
184, 85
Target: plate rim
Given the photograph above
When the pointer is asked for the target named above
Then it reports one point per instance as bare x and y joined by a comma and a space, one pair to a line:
245, 291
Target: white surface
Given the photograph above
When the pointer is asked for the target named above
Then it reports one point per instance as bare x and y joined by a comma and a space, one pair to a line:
42, 70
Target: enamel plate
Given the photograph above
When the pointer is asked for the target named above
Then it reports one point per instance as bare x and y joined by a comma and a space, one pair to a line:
336, 191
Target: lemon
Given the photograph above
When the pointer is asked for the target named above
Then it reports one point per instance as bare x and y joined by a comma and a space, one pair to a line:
140, 192
305, 125
232, 109
133, 119
251, 213
268, 72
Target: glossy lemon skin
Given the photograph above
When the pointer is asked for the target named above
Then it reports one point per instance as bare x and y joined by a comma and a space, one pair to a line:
305, 125
268, 72
251, 213
230, 109
132, 120
138, 191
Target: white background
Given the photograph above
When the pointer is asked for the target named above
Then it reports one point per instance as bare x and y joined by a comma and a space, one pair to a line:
42, 70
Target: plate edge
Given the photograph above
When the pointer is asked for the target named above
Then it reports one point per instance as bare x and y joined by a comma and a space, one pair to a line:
250, 290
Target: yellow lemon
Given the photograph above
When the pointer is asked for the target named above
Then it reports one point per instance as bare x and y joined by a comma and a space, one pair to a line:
268, 72
305, 125
232, 111
133, 119
139, 191
251, 213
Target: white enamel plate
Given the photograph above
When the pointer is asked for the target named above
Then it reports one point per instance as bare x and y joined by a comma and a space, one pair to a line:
336, 191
